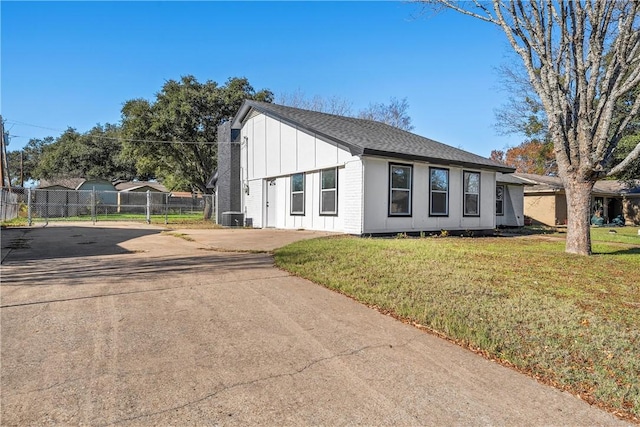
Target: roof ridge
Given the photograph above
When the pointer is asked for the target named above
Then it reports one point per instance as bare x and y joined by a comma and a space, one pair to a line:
370, 137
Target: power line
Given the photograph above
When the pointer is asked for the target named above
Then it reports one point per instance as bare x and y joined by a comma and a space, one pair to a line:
110, 137
16, 122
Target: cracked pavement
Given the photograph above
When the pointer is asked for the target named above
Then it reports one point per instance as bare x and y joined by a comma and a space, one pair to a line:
140, 328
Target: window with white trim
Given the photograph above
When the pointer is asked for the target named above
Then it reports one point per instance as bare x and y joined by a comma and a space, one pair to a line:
471, 202
499, 199
297, 194
400, 190
329, 192
438, 192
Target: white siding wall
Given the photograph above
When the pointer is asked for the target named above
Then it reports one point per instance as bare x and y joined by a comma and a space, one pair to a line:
513, 207
253, 202
272, 149
376, 200
278, 149
353, 188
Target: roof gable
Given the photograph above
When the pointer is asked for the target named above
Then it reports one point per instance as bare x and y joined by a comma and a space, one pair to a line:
70, 183
367, 137
136, 185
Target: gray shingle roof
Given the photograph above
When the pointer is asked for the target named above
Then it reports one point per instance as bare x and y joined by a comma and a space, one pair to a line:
367, 137
510, 179
543, 183
133, 185
70, 183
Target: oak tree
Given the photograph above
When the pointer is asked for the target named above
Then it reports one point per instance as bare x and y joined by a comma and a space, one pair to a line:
97, 153
174, 136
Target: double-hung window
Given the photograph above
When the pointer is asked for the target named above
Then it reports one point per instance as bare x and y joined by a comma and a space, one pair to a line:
297, 194
438, 192
400, 190
499, 199
329, 192
471, 183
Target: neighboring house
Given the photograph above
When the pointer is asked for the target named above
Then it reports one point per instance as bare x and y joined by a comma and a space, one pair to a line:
289, 168
509, 200
60, 184
140, 187
68, 197
132, 196
545, 201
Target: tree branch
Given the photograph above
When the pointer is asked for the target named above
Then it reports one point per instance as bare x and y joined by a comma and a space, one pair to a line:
633, 155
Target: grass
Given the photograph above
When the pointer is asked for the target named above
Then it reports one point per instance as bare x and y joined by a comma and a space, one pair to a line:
628, 235
179, 235
184, 220
570, 321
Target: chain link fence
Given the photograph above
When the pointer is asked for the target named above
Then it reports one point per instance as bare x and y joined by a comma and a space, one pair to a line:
44, 205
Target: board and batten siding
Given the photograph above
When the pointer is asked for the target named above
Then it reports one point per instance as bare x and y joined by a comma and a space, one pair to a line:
271, 151
376, 200
277, 149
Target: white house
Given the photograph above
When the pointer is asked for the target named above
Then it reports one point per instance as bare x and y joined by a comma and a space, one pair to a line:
509, 200
289, 168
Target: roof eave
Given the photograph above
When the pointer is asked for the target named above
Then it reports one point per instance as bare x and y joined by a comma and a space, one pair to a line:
403, 156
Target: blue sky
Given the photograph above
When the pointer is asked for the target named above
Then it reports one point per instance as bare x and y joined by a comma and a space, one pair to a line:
75, 63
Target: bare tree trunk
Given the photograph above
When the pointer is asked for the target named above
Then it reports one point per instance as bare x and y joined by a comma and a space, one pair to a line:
578, 193
208, 206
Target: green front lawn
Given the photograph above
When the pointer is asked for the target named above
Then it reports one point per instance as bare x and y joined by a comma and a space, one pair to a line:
627, 235
182, 219
571, 321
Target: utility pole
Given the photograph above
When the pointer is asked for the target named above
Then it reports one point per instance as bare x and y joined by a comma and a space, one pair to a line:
4, 163
22, 168
2, 151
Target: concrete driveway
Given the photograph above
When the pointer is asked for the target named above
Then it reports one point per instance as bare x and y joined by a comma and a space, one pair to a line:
129, 326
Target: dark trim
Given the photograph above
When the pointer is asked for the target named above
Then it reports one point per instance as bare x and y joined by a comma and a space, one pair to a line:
464, 214
389, 189
504, 188
304, 194
320, 204
434, 160
442, 215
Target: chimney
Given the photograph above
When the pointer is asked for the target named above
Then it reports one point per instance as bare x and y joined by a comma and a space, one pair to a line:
229, 186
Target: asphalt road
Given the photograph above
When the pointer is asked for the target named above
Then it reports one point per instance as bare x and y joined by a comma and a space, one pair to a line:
128, 326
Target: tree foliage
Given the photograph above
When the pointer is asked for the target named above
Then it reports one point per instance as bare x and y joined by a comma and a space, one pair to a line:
94, 154
523, 113
531, 156
582, 58
331, 105
395, 113
173, 138
25, 162
630, 139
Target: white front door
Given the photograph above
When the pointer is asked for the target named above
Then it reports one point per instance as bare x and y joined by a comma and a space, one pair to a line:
271, 202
